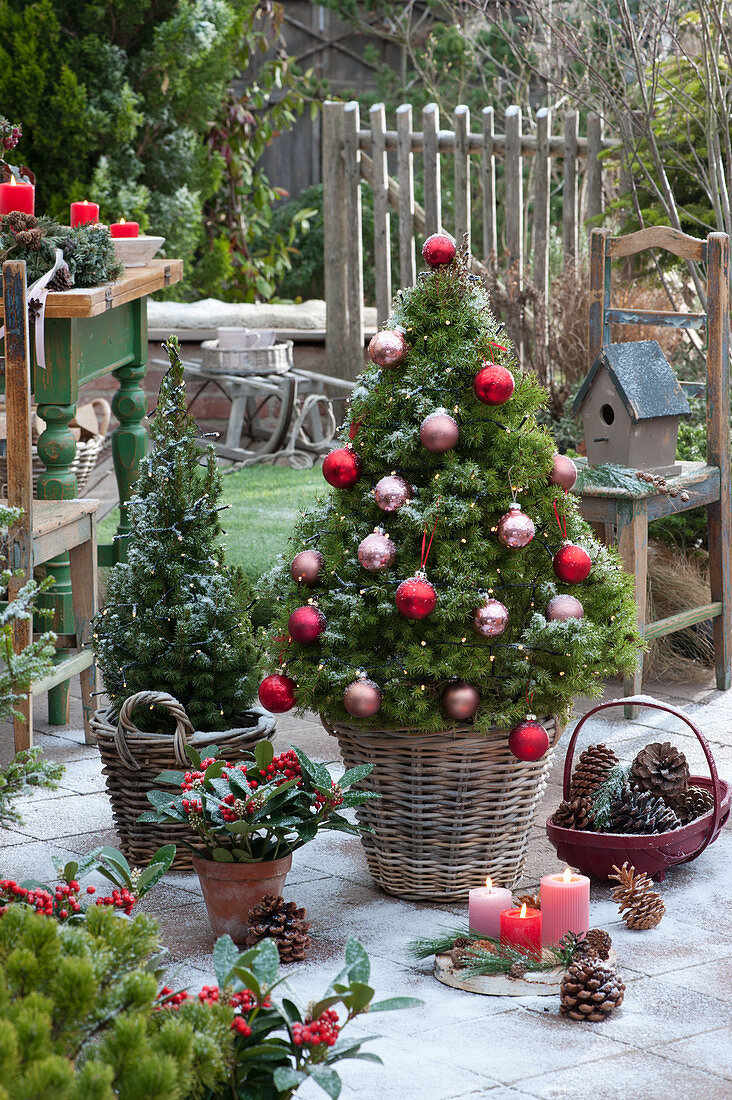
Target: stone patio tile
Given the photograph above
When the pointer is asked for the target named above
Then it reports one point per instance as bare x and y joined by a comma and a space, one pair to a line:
500, 1092
712, 979
671, 946
636, 1075
32, 860
84, 776
420, 1071
336, 854
66, 816
82, 843
10, 837
710, 1051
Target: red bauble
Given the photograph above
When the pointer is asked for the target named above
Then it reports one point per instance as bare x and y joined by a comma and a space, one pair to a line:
362, 698
277, 693
438, 249
493, 384
306, 624
416, 598
342, 468
460, 700
563, 607
307, 567
572, 564
439, 431
563, 472
528, 740
515, 529
388, 348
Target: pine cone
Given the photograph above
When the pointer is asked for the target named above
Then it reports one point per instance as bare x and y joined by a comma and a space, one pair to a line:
30, 239
590, 991
591, 770
640, 906
531, 901
635, 811
597, 942
692, 803
62, 280
20, 222
660, 769
283, 922
575, 814
516, 970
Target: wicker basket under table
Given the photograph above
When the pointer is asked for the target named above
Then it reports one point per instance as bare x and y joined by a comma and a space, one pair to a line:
455, 806
132, 759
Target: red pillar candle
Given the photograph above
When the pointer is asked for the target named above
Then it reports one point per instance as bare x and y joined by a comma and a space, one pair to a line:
17, 195
522, 928
124, 229
82, 212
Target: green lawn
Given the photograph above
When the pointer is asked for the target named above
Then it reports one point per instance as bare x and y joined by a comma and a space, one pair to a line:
264, 505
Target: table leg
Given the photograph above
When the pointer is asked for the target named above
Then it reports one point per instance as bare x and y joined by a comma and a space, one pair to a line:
129, 441
632, 534
57, 448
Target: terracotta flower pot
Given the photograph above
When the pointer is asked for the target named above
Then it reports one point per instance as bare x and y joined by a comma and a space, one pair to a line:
230, 890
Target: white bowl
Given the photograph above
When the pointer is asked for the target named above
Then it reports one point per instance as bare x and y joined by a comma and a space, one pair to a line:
136, 251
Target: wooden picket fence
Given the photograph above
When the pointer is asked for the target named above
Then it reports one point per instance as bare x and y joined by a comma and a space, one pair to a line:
352, 154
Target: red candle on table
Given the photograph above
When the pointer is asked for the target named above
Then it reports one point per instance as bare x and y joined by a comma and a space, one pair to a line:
17, 195
124, 229
82, 212
522, 928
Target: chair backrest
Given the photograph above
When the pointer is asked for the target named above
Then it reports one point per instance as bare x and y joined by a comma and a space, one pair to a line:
18, 392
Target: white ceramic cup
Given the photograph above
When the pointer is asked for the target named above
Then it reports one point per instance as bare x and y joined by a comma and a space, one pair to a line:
236, 338
267, 337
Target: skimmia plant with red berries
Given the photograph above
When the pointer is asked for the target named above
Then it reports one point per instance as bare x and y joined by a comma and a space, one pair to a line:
260, 808
448, 574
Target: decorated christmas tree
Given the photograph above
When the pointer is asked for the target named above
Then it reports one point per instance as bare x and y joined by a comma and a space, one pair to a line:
448, 575
176, 617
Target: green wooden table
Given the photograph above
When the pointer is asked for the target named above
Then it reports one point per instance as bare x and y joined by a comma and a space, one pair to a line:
90, 333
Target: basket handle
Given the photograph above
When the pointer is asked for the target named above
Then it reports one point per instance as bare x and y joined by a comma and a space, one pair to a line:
716, 816
183, 725
104, 414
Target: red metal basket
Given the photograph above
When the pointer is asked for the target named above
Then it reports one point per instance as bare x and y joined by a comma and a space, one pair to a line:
595, 853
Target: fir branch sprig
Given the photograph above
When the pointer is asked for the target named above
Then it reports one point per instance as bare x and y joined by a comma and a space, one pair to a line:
478, 960
439, 945
606, 793
608, 475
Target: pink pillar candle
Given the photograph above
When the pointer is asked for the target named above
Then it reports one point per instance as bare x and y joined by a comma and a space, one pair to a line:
485, 904
124, 229
522, 928
17, 195
82, 212
565, 906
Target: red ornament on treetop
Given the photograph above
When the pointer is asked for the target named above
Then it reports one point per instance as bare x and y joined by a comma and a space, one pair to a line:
438, 249
528, 740
493, 384
306, 624
572, 564
277, 693
416, 598
342, 468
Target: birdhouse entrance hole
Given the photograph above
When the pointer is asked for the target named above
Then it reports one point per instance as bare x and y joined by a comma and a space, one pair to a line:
607, 412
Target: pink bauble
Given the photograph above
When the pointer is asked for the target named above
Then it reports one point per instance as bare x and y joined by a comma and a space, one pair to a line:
438, 249
528, 740
439, 432
416, 598
493, 384
572, 564
563, 472
377, 552
307, 567
490, 619
391, 492
342, 468
563, 607
277, 693
306, 624
460, 700
515, 529
362, 698
388, 348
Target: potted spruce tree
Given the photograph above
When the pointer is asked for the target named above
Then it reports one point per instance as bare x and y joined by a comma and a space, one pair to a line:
174, 640
446, 588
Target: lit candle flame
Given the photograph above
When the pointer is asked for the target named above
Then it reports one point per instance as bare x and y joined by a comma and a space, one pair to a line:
13, 181
523, 910
86, 202
567, 876
121, 221
489, 883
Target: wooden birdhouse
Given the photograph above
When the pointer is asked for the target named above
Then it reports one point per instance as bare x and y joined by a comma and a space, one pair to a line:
631, 402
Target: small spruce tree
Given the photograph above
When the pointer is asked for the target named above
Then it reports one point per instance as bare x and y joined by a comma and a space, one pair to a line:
176, 617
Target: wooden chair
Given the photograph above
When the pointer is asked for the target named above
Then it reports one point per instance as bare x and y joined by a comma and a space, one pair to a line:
624, 517
46, 528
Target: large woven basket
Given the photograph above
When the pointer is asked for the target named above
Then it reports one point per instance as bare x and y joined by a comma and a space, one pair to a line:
275, 359
455, 806
132, 759
85, 459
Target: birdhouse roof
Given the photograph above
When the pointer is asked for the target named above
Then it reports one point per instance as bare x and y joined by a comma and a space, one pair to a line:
643, 377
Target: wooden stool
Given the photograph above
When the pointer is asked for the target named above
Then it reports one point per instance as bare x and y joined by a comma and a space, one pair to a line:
46, 528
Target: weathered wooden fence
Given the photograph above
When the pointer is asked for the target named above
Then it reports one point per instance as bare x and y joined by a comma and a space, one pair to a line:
352, 154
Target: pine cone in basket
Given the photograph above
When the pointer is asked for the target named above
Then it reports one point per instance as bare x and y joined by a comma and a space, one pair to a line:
283, 922
597, 942
692, 803
591, 770
660, 769
640, 906
574, 814
590, 990
635, 811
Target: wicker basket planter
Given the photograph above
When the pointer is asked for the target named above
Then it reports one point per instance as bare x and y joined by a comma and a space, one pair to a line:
133, 759
455, 806
85, 459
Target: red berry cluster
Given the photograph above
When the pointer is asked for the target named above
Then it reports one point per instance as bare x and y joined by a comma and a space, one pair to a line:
332, 800
9, 134
283, 767
313, 1033
120, 899
192, 805
62, 903
190, 777
168, 998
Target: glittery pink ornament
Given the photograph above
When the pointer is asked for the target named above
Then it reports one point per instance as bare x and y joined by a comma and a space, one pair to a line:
563, 607
460, 700
377, 551
391, 492
388, 348
416, 597
439, 431
515, 529
563, 472
362, 698
490, 619
307, 567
